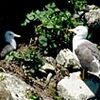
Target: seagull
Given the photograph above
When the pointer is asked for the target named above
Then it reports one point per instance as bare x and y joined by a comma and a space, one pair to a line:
10, 43
86, 51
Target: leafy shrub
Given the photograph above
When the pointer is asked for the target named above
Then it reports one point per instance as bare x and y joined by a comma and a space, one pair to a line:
32, 96
52, 28
30, 57
79, 4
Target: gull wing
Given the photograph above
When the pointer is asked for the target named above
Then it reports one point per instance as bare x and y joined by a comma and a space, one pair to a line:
89, 56
6, 50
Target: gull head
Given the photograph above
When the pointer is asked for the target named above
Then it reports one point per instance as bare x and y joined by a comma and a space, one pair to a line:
9, 37
80, 31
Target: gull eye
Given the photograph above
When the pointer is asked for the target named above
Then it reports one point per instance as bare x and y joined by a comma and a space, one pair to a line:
10, 34
78, 30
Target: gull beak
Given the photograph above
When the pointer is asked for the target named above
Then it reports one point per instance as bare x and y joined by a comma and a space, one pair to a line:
16, 35
71, 30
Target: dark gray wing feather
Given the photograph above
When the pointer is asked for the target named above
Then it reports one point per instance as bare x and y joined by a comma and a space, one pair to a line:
86, 53
6, 50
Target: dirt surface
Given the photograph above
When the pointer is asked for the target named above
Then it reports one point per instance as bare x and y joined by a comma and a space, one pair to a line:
45, 91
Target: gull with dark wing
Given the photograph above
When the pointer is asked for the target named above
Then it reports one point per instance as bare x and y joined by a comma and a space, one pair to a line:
10, 43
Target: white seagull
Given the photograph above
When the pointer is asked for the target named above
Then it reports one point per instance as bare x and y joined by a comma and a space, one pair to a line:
10, 43
86, 51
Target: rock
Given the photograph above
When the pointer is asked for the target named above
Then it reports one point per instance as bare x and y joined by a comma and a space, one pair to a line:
93, 16
73, 88
90, 7
13, 88
50, 60
47, 68
4, 92
66, 58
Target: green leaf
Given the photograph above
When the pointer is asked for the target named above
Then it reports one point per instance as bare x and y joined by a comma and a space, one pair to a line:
43, 41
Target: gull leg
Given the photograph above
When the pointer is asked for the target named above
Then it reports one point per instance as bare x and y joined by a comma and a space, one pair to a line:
82, 74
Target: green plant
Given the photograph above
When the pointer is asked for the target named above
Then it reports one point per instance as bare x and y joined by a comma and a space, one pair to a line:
32, 96
13, 55
52, 28
30, 57
79, 4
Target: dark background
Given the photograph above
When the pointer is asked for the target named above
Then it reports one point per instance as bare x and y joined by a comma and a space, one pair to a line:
12, 14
